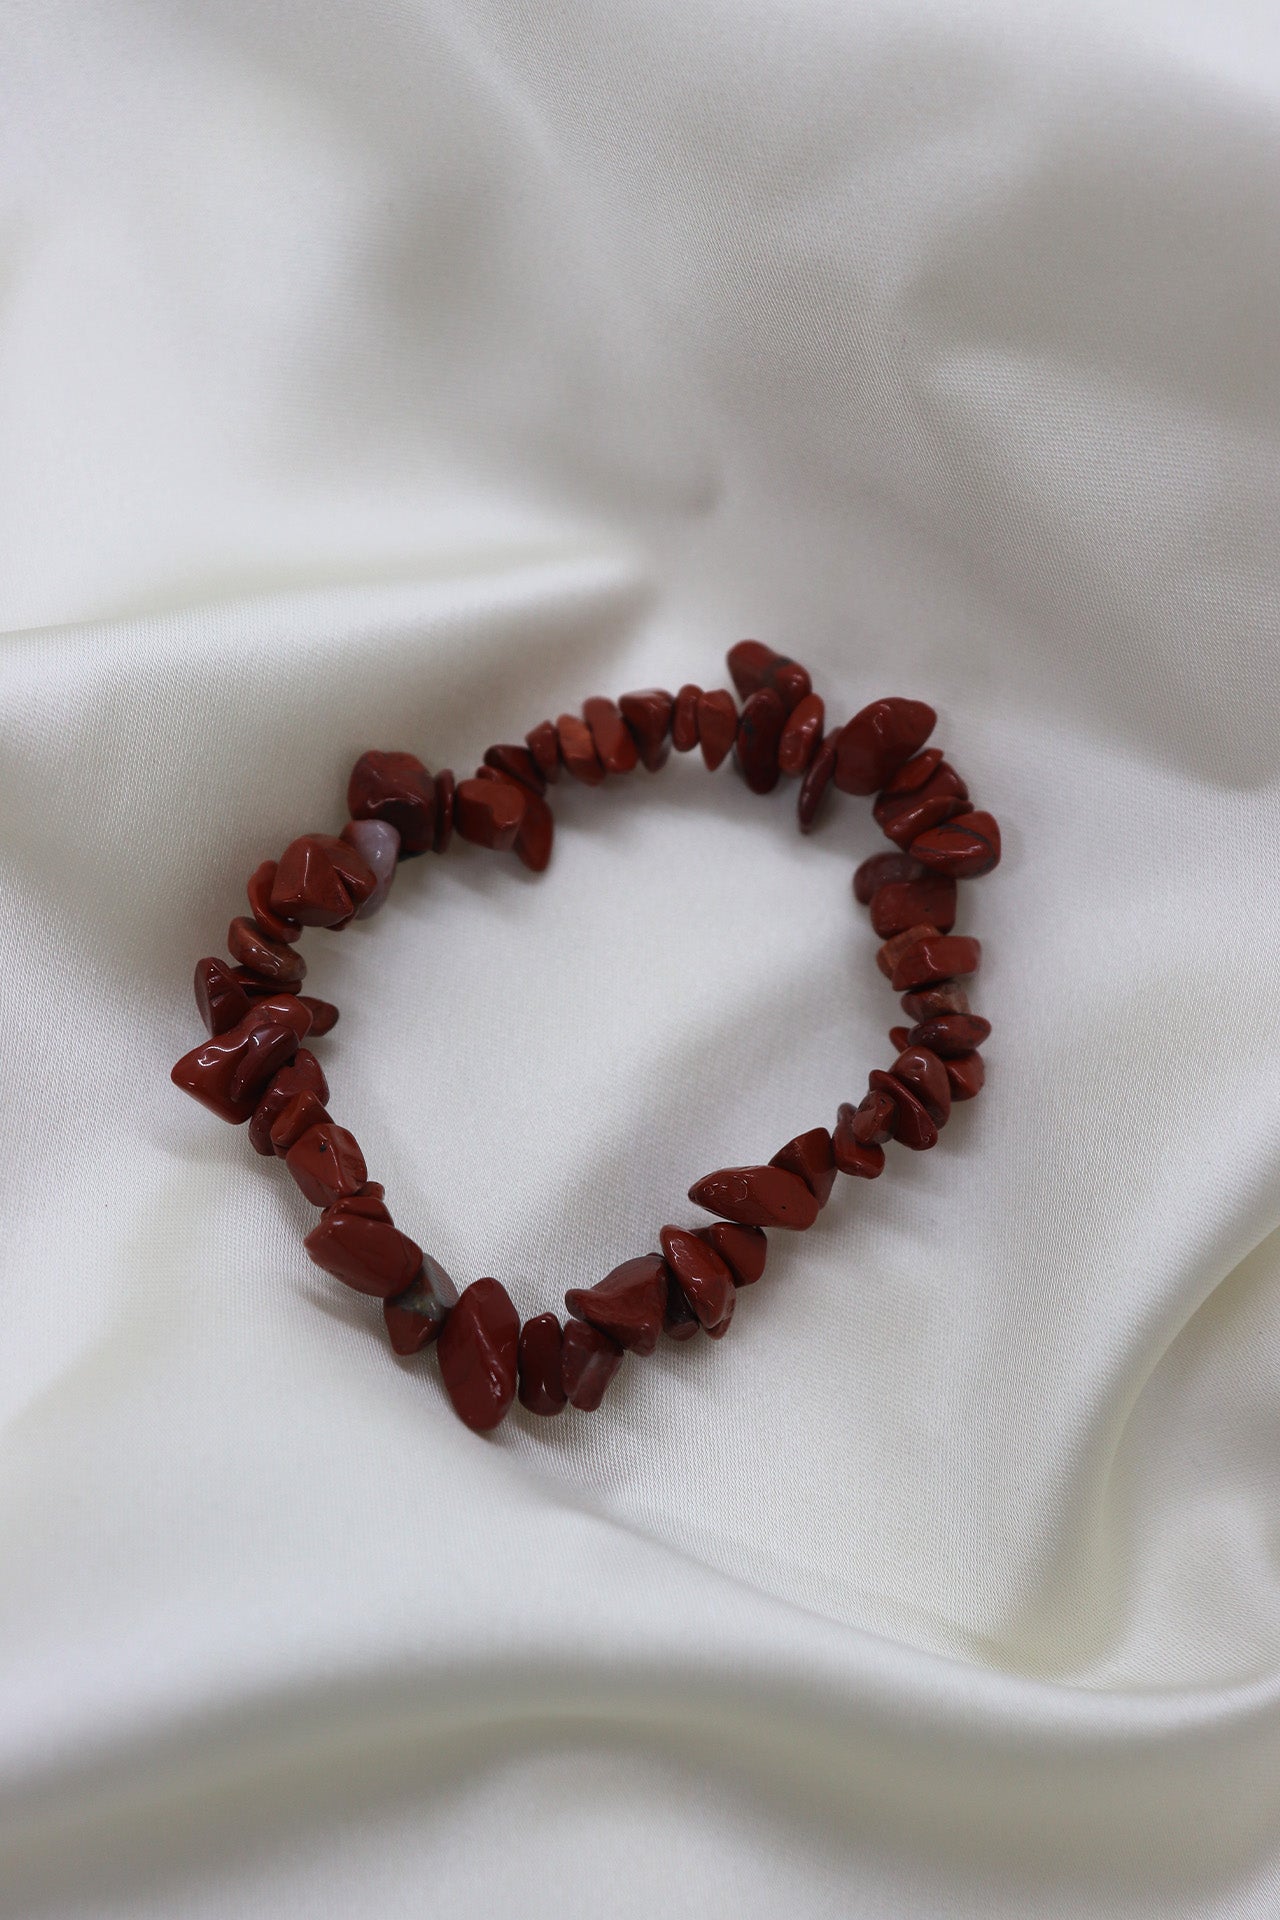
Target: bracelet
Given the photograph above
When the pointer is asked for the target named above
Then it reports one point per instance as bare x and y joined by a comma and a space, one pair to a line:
255, 1068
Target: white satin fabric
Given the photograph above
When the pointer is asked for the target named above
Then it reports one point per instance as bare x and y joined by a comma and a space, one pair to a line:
397, 376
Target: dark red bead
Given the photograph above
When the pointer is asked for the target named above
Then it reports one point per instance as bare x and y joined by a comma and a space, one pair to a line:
951, 1034
743, 1249
373, 1256
884, 870
802, 735
588, 1361
489, 812
911, 1122
304, 1074
898, 1038
753, 666
370, 1203
415, 1317
760, 727
397, 788
888, 956
684, 718
519, 765
907, 903
966, 845
615, 747
479, 1349
966, 1075
926, 1076
536, 835
578, 750
809, 1155
699, 1272
541, 1363
320, 881
543, 743
717, 725
814, 786
258, 889
628, 1304
445, 788
879, 740
914, 775
267, 1049
327, 1164
298, 1116
324, 1015
872, 1122
648, 714
851, 1154
902, 817
228, 1072
935, 957
679, 1322
721, 1327
270, 960
948, 996
220, 998
756, 1197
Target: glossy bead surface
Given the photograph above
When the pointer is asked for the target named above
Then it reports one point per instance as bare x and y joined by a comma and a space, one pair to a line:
721, 1327
445, 788
809, 1155
872, 1122
578, 750
878, 740
900, 904
753, 667
614, 745
588, 1361
679, 1322
536, 835
883, 870
915, 774
378, 844
415, 1317
757, 1197
267, 1049
760, 727
304, 1074
684, 718
540, 1365
220, 999
324, 1015
258, 890
227, 1072
699, 1272
912, 1125
305, 1110
813, 788
888, 956
902, 817
947, 996
851, 1155
966, 1075
489, 812
898, 1038
935, 957
743, 1249
802, 735
544, 747
924, 1073
951, 1034
327, 1164
628, 1304
249, 946
717, 726
320, 881
397, 788
373, 1256
966, 845
478, 1350
519, 765
648, 714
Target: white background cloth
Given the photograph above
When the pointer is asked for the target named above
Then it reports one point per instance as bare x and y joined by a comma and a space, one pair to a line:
397, 376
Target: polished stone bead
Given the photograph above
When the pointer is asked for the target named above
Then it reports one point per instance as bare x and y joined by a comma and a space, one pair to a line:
888, 956
578, 750
912, 1125
543, 743
648, 714
415, 1317
320, 881
717, 726
914, 775
935, 957
951, 1034
324, 1015
628, 1304
519, 765
903, 817
265, 1052
378, 844
489, 812
802, 735
212, 1072
879, 740
743, 1249
275, 925
327, 1164
679, 1322
304, 1111
753, 666
948, 996
813, 787
445, 788
909, 903
966, 845
254, 984
851, 1155
397, 788
699, 1272
721, 1327
373, 1256
614, 745
536, 835
756, 1197
249, 946
684, 718
809, 1155
883, 870
588, 1361
479, 1354
370, 1203
541, 1365
760, 727
304, 1074
221, 1000
966, 1075
898, 1038
872, 1122
924, 1073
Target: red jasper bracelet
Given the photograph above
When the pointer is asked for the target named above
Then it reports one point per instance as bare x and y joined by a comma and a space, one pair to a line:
255, 1068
